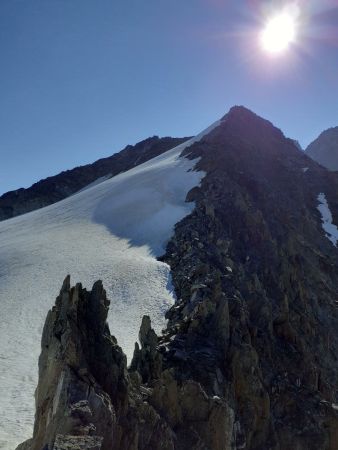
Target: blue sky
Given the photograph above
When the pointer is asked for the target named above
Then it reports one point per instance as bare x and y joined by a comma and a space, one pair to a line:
80, 79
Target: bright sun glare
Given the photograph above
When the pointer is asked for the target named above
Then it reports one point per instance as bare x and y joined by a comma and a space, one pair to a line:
279, 32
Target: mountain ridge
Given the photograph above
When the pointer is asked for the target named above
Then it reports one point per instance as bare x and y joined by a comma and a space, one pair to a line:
248, 357
66, 183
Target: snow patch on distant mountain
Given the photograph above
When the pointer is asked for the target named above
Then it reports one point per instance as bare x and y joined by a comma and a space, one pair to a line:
330, 229
112, 231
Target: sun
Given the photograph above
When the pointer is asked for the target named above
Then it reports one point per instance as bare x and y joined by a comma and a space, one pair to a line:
279, 32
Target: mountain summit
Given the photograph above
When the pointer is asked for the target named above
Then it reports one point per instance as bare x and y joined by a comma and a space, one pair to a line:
248, 357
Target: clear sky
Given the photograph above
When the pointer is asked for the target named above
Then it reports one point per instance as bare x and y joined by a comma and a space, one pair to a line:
80, 79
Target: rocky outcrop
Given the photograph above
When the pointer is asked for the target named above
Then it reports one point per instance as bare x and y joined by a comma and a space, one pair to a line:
76, 402
58, 187
147, 361
249, 356
87, 399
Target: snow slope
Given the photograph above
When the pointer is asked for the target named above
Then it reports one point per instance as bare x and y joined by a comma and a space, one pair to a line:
94, 183
331, 231
111, 231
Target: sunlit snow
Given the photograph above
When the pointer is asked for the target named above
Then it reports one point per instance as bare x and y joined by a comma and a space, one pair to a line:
94, 183
331, 231
112, 231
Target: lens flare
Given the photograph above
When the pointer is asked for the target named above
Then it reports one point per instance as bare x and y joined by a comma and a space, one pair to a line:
279, 32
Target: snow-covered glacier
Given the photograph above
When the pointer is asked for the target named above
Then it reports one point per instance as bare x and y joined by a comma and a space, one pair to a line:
111, 231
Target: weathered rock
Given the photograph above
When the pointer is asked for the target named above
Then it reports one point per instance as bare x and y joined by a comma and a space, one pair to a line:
147, 360
77, 442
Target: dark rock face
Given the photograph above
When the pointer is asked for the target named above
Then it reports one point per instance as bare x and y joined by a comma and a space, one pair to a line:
58, 187
256, 280
249, 356
324, 149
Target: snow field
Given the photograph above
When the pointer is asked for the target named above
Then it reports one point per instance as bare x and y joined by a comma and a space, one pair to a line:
331, 231
111, 231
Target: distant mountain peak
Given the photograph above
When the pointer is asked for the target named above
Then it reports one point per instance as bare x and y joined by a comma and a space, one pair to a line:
324, 149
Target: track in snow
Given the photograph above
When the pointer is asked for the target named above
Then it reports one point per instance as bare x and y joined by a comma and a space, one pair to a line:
112, 231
